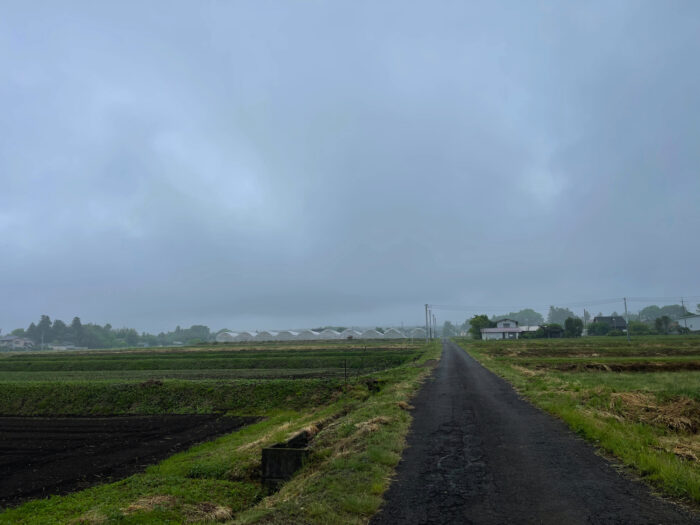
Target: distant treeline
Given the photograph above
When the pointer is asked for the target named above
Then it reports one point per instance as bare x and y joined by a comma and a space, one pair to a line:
647, 316
91, 335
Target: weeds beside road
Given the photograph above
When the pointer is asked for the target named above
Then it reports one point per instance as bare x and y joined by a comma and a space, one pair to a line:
638, 401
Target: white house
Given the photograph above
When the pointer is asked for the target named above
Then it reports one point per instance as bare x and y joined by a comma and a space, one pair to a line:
15, 342
505, 329
692, 322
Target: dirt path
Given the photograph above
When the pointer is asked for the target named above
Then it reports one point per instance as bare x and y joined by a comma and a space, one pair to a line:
479, 454
40, 456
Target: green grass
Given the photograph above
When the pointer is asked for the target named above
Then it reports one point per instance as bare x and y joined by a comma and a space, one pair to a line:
371, 358
358, 442
166, 397
648, 419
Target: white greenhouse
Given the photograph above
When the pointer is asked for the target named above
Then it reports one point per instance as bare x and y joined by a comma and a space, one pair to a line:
371, 334
349, 333
265, 336
287, 335
307, 335
245, 336
393, 333
226, 337
417, 333
329, 334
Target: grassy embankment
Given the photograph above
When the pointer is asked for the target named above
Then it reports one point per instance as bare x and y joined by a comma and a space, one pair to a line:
358, 438
638, 401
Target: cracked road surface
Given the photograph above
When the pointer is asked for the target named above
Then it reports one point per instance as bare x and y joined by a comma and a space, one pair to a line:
478, 453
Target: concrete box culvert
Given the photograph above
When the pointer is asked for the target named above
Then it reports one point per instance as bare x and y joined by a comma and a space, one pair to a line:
281, 461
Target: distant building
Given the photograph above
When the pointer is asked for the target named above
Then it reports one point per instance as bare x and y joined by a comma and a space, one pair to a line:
286, 335
505, 329
307, 335
329, 333
393, 333
16, 343
417, 333
349, 333
371, 334
691, 322
615, 322
226, 337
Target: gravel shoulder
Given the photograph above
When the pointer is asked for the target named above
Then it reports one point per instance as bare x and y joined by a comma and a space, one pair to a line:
478, 453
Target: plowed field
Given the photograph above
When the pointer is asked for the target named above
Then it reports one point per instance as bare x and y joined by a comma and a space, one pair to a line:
41, 456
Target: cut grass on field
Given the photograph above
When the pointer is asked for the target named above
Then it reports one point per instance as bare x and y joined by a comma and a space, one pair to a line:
358, 439
632, 400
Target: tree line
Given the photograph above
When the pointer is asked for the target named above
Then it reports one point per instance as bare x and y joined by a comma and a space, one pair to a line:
90, 335
564, 322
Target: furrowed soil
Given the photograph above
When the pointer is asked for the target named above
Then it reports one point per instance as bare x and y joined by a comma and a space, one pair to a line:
42, 456
478, 453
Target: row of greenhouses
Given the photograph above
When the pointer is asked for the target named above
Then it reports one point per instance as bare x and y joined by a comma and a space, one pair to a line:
311, 335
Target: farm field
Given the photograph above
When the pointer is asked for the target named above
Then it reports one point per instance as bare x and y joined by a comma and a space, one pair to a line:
45, 456
348, 394
638, 400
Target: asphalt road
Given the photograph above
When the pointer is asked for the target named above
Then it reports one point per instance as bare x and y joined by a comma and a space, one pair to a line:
478, 453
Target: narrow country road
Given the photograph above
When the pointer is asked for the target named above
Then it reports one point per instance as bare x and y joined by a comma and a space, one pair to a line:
477, 453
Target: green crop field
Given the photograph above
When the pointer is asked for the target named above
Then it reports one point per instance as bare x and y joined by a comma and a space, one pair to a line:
315, 360
351, 396
638, 400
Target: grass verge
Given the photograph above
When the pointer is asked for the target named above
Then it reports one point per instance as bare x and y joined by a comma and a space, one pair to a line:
648, 420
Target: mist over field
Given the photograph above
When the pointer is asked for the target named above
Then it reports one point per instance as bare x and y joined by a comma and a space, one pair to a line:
278, 165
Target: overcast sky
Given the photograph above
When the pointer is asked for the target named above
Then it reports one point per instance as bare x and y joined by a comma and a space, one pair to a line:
258, 165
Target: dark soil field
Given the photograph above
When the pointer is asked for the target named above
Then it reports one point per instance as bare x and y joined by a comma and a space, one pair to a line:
43, 456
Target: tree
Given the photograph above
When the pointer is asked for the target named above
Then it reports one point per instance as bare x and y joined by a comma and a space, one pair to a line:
558, 315
638, 328
598, 328
663, 324
33, 334
478, 322
44, 329
573, 327
653, 312
58, 330
586, 316
76, 330
526, 316
448, 329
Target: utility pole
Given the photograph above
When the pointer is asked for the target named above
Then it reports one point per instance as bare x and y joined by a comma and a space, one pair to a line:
685, 321
430, 323
627, 319
426, 323
434, 325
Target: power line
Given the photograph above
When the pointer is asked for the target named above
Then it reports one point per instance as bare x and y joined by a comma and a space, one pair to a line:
572, 304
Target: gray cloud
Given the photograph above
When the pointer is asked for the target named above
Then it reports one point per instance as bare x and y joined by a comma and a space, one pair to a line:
265, 164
